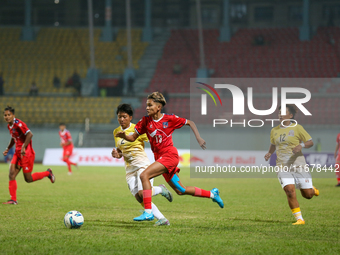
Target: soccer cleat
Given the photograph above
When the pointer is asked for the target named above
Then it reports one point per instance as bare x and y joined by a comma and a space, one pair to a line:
316, 191
10, 202
217, 198
338, 185
69, 173
51, 175
166, 193
299, 222
162, 222
145, 216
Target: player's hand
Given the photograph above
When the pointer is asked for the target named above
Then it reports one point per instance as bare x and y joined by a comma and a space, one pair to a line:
23, 151
335, 155
297, 149
121, 134
5, 152
201, 142
115, 153
267, 156
61, 145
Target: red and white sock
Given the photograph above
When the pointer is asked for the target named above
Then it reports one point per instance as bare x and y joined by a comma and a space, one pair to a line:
147, 199
203, 193
40, 175
13, 189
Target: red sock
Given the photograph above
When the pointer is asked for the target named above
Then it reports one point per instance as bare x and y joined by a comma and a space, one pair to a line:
338, 180
40, 175
13, 189
201, 193
147, 198
69, 163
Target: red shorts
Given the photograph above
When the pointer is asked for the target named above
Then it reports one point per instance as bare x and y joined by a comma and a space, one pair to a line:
68, 150
170, 160
26, 162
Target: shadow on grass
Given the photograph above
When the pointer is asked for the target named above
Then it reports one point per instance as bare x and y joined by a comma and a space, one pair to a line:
121, 224
260, 220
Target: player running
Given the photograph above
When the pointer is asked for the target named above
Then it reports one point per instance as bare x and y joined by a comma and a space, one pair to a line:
288, 139
337, 160
159, 127
67, 145
136, 161
24, 154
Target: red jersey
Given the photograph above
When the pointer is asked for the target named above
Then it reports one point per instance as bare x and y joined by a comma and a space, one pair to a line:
65, 136
18, 132
160, 131
338, 142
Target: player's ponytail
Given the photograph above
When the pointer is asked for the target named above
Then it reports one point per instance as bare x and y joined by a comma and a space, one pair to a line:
9, 108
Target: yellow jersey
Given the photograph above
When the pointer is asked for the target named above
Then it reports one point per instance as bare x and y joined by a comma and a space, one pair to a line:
133, 152
285, 139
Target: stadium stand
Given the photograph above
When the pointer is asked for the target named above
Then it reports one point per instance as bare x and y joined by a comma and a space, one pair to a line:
40, 110
282, 55
60, 51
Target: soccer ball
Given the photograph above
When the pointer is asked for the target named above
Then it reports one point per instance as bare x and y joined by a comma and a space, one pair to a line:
73, 219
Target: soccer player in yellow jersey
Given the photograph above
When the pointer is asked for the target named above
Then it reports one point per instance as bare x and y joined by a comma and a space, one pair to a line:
288, 139
136, 161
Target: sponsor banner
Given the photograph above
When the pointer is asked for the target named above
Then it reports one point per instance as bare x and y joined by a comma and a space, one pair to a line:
314, 158
232, 158
99, 157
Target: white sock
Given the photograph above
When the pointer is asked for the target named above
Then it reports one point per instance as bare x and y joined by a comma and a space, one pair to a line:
156, 212
148, 210
211, 195
156, 190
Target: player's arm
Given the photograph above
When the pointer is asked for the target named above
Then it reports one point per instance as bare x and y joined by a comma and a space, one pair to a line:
194, 129
336, 150
116, 153
129, 138
306, 145
67, 143
270, 152
10, 145
29, 136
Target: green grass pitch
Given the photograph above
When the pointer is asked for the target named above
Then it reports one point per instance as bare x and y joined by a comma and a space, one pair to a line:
256, 218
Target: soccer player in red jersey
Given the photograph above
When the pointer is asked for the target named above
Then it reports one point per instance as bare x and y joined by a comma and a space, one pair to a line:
337, 160
67, 144
24, 154
159, 128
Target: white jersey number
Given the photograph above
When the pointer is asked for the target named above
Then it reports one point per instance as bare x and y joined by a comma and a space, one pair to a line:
158, 138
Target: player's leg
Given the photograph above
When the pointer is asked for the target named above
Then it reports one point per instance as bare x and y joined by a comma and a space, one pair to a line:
287, 181
66, 158
180, 189
27, 168
154, 170
304, 181
337, 171
14, 170
155, 191
288, 185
